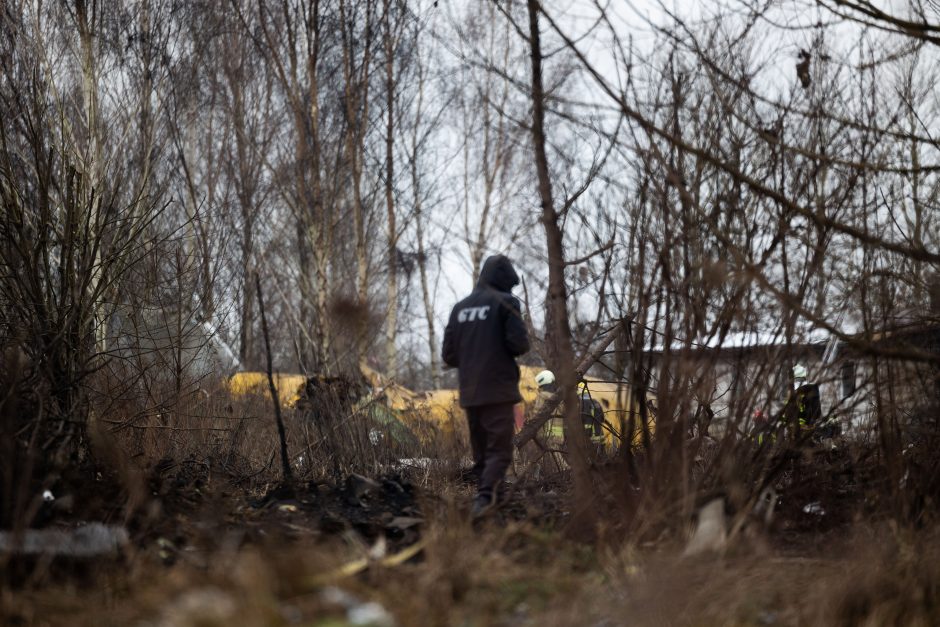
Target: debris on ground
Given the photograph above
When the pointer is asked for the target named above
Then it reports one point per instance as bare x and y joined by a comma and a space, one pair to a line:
205, 606
84, 541
711, 531
815, 508
358, 612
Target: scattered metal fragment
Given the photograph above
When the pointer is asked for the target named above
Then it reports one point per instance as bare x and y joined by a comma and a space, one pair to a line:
88, 540
357, 611
814, 508
711, 532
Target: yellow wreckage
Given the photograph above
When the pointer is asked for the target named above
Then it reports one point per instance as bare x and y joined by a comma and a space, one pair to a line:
616, 401
422, 412
439, 410
289, 386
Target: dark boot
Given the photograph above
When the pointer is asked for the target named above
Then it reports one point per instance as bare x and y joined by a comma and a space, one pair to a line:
483, 504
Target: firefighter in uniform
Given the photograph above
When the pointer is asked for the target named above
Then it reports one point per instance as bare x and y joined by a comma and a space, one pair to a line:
553, 430
803, 410
592, 419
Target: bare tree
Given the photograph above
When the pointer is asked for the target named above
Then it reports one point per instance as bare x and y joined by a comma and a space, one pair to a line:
356, 80
419, 138
557, 298
76, 225
391, 38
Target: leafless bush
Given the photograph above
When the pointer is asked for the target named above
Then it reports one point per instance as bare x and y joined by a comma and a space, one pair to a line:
754, 216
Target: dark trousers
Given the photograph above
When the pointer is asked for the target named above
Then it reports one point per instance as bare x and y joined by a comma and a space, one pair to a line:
491, 430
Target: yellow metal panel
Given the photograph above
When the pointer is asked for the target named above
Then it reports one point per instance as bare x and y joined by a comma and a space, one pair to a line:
289, 386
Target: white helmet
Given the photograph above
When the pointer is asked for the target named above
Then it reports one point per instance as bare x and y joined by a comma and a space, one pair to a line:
799, 371
546, 377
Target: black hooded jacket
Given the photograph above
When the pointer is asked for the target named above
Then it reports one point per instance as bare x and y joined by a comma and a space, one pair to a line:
485, 334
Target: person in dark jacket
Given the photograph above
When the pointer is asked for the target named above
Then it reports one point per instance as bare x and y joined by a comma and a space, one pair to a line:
803, 409
484, 335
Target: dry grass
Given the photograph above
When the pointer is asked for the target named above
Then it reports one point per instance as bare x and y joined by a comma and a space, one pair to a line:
514, 574
208, 457
235, 437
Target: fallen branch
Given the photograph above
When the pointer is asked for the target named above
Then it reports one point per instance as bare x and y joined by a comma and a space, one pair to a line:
357, 566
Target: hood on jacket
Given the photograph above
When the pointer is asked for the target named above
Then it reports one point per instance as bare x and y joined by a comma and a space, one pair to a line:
498, 273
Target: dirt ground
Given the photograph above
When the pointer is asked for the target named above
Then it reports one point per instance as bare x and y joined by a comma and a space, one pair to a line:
398, 549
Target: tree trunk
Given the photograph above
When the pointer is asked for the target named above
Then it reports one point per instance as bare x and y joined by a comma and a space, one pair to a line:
557, 303
85, 18
419, 232
356, 94
391, 320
